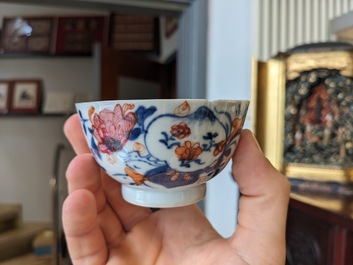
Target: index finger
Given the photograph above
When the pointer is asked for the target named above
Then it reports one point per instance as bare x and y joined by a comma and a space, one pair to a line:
74, 133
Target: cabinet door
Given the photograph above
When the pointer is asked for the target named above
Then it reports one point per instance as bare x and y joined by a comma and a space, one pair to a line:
308, 239
349, 248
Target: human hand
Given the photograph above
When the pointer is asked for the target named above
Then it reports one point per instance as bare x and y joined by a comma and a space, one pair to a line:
102, 228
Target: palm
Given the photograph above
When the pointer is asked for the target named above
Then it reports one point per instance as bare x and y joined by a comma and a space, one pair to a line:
101, 228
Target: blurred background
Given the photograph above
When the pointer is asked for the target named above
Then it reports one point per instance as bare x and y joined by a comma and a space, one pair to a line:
55, 53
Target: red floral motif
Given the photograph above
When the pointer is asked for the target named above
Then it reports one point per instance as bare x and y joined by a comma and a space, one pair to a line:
236, 125
188, 151
180, 130
187, 176
112, 128
173, 175
183, 109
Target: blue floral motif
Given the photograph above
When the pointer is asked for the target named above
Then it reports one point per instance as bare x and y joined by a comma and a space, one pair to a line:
83, 122
169, 141
210, 136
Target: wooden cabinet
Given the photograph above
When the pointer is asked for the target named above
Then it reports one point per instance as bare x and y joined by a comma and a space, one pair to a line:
319, 230
116, 64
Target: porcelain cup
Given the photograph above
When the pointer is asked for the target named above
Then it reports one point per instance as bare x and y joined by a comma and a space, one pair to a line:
163, 151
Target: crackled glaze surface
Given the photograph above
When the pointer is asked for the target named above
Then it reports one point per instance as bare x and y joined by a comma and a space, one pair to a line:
162, 143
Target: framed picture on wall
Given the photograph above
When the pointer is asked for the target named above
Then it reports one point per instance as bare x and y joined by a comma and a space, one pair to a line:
27, 34
78, 34
5, 93
304, 114
26, 96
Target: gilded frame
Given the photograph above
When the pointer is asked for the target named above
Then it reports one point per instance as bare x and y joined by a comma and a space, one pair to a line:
269, 96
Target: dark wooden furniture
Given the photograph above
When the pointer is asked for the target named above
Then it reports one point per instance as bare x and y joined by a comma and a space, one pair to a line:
319, 230
115, 64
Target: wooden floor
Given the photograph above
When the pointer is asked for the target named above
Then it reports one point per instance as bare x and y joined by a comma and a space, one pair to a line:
17, 238
28, 259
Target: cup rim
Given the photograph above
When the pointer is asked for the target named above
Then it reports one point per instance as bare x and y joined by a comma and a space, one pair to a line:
192, 100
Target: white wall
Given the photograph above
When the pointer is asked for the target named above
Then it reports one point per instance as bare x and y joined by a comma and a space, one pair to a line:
26, 162
228, 77
168, 45
58, 74
27, 144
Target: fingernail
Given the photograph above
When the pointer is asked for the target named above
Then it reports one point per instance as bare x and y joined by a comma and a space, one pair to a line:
257, 143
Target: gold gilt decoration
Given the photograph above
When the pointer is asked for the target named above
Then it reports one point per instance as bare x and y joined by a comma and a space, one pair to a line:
268, 95
280, 88
340, 60
318, 144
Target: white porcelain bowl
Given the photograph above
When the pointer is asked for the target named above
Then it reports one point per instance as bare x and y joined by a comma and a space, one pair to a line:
163, 151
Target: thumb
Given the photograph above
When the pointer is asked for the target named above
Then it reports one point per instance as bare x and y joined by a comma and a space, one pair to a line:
253, 172
263, 203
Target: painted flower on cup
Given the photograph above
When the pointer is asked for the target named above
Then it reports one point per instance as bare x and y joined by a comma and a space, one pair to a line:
112, 128
173, 175
183, 109
188, 151
180, 130
140, 148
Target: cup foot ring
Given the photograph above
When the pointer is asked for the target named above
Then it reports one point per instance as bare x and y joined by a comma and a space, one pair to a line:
155, 198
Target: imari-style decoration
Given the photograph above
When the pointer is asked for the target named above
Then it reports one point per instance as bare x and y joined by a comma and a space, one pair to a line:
162, 144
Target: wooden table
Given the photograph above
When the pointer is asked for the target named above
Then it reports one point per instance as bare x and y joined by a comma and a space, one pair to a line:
320, 229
